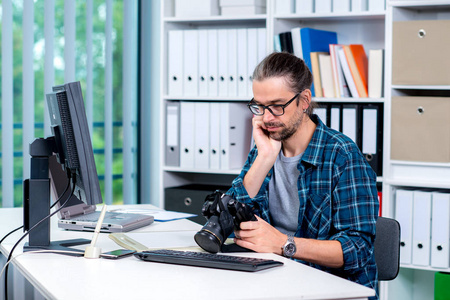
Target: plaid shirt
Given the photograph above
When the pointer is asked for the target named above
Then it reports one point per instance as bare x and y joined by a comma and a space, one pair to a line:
338, 200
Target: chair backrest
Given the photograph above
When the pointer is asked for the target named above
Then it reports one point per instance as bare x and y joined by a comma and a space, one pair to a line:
387, 248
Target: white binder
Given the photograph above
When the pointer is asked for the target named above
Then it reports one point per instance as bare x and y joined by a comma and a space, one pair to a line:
242, 62
172, 154
421, 229
187, 117
212, 63
201, 135
404, 215
440, 230
262, 44
252, 58
214, 135
335, 118
232, 62
349, 122
202, 62
321, 112
222, 39
190, 61
235, 135
175, 63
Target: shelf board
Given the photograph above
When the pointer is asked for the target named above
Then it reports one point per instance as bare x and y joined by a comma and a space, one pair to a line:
421, 164
202, 171
218, 19
333, 16
423, 4
421, 87
206, 98
349, 100
418, 183
425, 268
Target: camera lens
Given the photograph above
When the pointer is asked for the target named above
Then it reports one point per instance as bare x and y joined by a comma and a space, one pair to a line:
210, 238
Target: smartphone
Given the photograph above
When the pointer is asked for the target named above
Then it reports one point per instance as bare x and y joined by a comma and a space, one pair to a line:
119, 253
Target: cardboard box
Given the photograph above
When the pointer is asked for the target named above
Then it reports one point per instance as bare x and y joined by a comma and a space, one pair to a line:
420, 52
196, 8
420, 129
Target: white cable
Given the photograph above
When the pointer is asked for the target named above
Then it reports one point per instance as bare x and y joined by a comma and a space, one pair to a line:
36, 251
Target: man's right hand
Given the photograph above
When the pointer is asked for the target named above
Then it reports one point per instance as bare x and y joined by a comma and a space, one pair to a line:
268, 148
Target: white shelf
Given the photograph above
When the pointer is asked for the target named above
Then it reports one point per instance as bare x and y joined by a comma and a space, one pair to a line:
349, 100
427, 5
425, 268
202, 171
223, 99
216, 19
333, 16
421, 87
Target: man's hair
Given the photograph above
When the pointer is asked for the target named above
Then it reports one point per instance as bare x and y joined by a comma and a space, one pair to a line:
288, 66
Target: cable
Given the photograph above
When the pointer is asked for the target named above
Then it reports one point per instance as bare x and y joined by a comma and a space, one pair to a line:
20, 227
32, 228
36, 251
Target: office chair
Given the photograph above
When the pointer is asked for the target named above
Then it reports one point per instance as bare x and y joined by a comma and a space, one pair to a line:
387, 248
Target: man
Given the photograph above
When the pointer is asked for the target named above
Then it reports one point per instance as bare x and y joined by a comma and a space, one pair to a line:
313, 191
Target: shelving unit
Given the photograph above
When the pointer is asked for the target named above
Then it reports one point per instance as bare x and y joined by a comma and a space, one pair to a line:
413, 282
374, 31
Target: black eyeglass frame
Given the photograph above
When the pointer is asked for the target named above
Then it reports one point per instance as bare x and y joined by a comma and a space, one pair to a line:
264, 107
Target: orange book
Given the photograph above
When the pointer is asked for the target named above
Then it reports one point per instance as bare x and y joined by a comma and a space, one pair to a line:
358, 63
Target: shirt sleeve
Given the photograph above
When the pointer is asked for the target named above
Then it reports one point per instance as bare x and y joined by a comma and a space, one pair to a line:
355, 212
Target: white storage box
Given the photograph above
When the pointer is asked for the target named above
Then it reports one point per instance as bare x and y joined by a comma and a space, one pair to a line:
242, 10
196, 8
243, 3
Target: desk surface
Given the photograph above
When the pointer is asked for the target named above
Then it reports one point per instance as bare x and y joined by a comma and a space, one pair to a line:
65, 277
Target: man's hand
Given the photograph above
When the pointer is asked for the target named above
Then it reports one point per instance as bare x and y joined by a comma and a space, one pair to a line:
268, 148
260, 236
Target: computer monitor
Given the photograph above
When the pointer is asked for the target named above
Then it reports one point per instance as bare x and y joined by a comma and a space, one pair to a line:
72, 147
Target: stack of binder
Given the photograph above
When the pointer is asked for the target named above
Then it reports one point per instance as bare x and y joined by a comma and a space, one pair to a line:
424, 218
214, 62
363, 123
207, 135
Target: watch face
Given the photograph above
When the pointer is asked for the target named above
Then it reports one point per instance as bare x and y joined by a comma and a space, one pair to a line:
289, 249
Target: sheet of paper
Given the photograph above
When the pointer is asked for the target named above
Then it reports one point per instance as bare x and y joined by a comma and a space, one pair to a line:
160, 215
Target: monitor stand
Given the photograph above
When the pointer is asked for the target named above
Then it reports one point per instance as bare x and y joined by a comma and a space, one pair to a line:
36, 196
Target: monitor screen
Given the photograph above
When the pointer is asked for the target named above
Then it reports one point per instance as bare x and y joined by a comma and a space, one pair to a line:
72, 140
69, 157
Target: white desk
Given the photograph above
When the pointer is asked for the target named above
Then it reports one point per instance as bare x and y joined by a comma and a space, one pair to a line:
65, 277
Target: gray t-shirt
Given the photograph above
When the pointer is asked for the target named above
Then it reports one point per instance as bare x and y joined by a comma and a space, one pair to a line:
283, 194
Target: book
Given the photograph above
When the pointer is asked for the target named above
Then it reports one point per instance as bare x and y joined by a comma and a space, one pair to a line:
276, 43
315, 40
326, 76
358, 64
347, 74
316, 73
376, 63
340, 85
297, 42
286, 42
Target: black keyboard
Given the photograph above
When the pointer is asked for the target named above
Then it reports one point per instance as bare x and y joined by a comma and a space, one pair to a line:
208, 260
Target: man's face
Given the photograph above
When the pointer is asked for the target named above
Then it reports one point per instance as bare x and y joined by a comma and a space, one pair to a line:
275, 91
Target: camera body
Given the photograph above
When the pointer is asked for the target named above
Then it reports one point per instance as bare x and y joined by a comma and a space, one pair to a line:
224, 214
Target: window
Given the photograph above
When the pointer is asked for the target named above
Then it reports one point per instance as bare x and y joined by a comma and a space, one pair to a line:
49, 42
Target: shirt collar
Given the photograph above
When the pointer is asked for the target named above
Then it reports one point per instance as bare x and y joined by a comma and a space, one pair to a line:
313, 152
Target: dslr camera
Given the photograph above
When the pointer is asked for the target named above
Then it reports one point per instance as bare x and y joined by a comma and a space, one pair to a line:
224, 214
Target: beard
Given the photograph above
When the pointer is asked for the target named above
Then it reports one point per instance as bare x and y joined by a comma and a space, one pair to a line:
287, 130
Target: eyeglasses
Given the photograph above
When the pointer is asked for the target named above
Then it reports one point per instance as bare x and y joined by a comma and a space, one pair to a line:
275, 109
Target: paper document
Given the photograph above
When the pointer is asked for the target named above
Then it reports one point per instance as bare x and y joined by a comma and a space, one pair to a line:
159, 215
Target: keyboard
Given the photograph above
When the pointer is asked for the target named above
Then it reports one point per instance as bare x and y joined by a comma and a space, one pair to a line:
208, 260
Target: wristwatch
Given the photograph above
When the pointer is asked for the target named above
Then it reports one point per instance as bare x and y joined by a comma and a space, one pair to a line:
289, 248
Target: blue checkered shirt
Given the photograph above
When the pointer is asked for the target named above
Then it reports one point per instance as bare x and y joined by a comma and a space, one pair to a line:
338, 201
